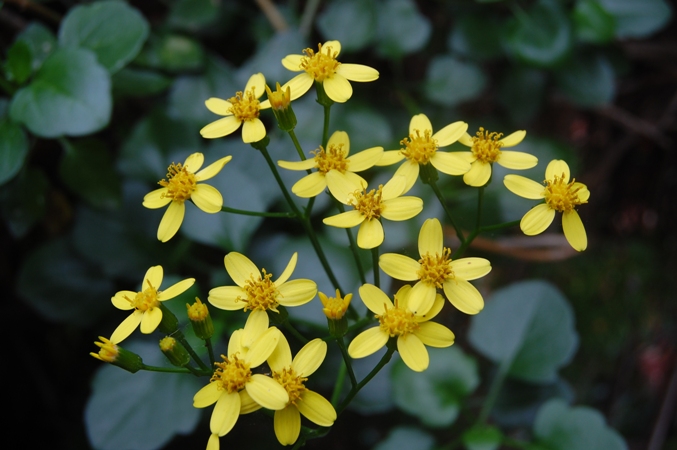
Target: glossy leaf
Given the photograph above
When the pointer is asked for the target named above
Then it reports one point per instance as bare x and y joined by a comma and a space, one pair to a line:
192, 15
587, 80
353, 23
450, 81
13, 149
40, 40
637, 18
401, 28
172, 52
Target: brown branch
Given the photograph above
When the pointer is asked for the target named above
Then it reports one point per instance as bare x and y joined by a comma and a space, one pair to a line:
273, 15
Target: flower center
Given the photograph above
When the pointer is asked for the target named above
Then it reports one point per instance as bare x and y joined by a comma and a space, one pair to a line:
261, 294
146, 299
292, 383
245, 105
320, 65
397, 322
369, 204
487, 146
180, 183
419, 148
561, 196
335, 307
332, 158
231, 374
435, 269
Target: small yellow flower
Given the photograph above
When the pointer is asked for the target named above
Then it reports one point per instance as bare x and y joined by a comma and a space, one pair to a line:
322, 67
108, 351
560, 195
486, 150
335, 169
146, 304
436, 270
421, 147
243, 109
233, 387
255, 291
182, 184
292, 376
413, 331
335, 307
370, 206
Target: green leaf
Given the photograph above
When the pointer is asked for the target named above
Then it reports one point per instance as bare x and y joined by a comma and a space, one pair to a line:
139, 82
353, 23
521, 93
13, 149
482, 438
193, 15
87, 170
637, 18
450, 81
436, 395
70, 95
19, 62
561, 427
542, 36
172, 52
476, 37
401, 29
62, 287
406, 437
592, 23
41, 42
518, 401
23, 201
587, 80
142, 410
113, 30
529, 326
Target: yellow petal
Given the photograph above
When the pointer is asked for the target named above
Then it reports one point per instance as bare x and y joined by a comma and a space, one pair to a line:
470, 268
153, 277
537, 219
431, 238
438, 304
310, 357
240, 268
399, 267
299, 85
255, 327
226, 297
225, 414
368, 342
370, 234
253, 131
338, 88
342, 185
517, 160
333, 46
394, 187
127, 327
401, 208
466, 140
267, 392
450, 134
262, 348
513, 139
281, 357
211, 170
171, 221
297, 292
390, 157
524, 187
413, 352
286, 273
347, 219
357, 72
150, 320
247, 404
435, 335
310, 186
287, 425
583, 192
375, 299
421, 123
293, 63
156, 199
340, 139
207, 198
219, 106
235, 343
454, 163
213, 443
256, 82
574, 230
478, 175
317, 409
206, 396
121, 300
409, 170
558, 168
220, 128
194, 162
421, 298
464, 296
298, 165
175, 289
365, 159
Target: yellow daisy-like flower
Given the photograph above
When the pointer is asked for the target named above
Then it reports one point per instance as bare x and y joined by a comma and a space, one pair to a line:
486, 150
421, 147
182, 184
560, 195
413, 331
146, 304
370, 206
335, 307
335, 170
436, 270
255, 291
233, 387
322, 67
243, 109
292, 376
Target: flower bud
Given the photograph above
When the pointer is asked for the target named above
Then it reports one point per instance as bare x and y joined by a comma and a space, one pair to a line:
175, 352
335, 309
199, 317
280, 102
118, 356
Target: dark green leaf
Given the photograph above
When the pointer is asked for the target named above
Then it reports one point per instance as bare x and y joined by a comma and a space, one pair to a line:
407, 437
87, 170
353, 23
476, 37
13, 149
561, 427
139, 82
592, 23
482, 438
41, 42
172, 52
587, 80
521, 93
401, 28
62, 287
113, 30
529, 326
436, 395
519, 401
23, 201
637, 18
142, 410
19, 62
69, 95
450, 81
542, 36
193, 15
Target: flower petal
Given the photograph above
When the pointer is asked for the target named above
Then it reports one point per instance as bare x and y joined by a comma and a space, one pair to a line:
286, 273
517, 160
375, 299
316, 408
524, 187
310, 186
342, 186
399, 267
583, 192
293, 63
470, 268
123, 300
175, 289
464, 296
438, 304
421, 298
357, 72
558, 168
253, 131
211, 170
306, 164
296, 292
220, 128
339, 140
213, 443
207, 198
194, 162
409, 170
310, 357
333, 46
281, 357
421, 123
153, 277
368, 342
338, 88
365, 159
413, 352
219, 106
171, 221
150, 320
298, 85
401, 208
229, 298
127, 327
466, 140
574, 230
262, 348
247, 404
287, 425
450, 134
537, 219
431, 238
267, 392
156, 199
206, 396
225, 414
435, 335
451, 163
478, 175
390, 157
370, 234
240, 268
347, 219
256, 82
513, 139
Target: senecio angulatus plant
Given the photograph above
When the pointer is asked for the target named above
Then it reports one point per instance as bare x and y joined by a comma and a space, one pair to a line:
258, 369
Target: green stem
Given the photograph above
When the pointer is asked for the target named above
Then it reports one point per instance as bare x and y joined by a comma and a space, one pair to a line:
166, 369
178, 335
374, 262
194, 371
289, 327
494, 390
346, 360
257, 213
325, 130
353, 392
361, 323
480, 200
210, 350
442, 201
299, 150
471, 237
338, 386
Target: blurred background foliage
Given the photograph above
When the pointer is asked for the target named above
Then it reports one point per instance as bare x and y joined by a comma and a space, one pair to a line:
98, 98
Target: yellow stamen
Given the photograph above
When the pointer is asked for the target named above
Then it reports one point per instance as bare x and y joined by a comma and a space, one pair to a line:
197, 311
279, 99
369, 204
332, 158
335, 307
561, 196
320, 65
292, 383
108, 352
232, 374
245, 105
486, 146
146, 299
419, 148
435, 269
397, 322
261, 294
180, 183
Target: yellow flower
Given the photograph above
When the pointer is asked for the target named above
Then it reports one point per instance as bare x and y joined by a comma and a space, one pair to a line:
560, 195
233, 386
257, 292
421, 147
322, 67
182, 184
486, 150
146, 304
370, 206
292, 376
243, 109
335, 307
335, 169
413, 331
436, 270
